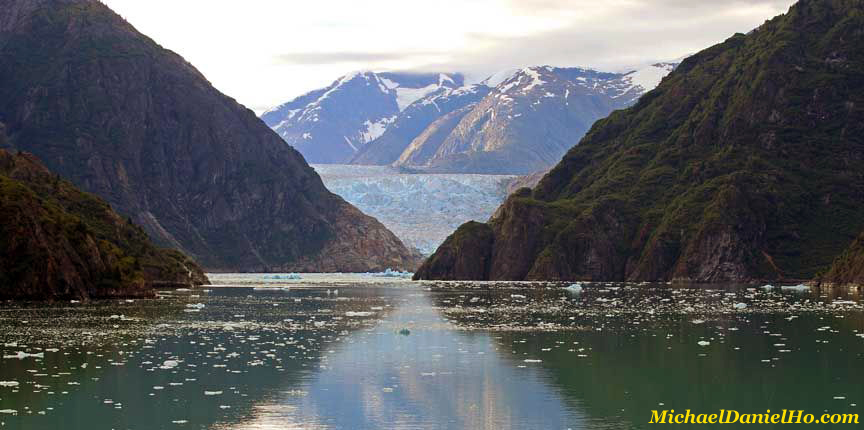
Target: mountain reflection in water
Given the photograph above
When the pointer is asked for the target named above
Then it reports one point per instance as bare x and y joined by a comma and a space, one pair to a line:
358, 351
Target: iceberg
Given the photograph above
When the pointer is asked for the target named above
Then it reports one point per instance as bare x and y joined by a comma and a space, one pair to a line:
574, 288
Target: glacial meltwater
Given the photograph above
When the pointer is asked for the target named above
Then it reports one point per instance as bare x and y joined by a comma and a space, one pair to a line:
370, 352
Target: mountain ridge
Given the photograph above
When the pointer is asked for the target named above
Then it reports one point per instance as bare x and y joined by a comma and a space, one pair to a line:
482, 145
109, 109
743, 165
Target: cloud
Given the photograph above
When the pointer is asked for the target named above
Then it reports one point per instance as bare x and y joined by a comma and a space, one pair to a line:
306, 58
277, 49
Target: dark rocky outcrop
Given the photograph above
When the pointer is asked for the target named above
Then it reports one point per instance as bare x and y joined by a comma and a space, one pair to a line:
125, 119
57, 242
744, 164
848, 269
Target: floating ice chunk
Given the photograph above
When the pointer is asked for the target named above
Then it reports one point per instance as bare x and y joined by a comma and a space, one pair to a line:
697, 322
22, 355
575, 288
703, 343
799, 287
9, 411
8, 383
768, 287
517, 296
170, 364
358, 314
474, 299
740, 306
213, 393
195, 306
530, 360
390, 273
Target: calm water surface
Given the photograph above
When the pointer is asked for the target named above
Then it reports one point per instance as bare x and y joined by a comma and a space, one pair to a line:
359, 351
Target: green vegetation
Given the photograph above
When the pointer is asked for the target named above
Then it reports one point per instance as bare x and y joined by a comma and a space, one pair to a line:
56, 241
745, 163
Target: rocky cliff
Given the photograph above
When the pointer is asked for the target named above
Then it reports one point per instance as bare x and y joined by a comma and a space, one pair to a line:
744, 164
848, 269
57, 242
123, 118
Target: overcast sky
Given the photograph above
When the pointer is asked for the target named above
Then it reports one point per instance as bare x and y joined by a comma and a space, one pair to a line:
265, 52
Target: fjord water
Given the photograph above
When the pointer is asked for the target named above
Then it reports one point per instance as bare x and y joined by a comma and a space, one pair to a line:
361, 351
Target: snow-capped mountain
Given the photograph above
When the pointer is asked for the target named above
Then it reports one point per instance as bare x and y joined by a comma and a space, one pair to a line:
330, 125
413, 120
527, 121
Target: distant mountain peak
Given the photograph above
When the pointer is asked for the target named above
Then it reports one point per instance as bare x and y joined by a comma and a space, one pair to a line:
331, 124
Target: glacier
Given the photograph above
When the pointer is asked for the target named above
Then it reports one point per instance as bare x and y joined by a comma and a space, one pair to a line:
422, 209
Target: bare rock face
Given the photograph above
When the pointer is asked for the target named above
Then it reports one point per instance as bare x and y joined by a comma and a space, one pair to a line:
58, 243
743, 165
465, 255
123, 118
848, 269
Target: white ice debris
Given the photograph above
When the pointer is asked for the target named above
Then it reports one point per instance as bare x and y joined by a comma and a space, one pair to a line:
703, 343
195, 306
530, 360
169, 364
22, 355
740, 306
575, 288
799, 287
212, 393
8, 383
358, 314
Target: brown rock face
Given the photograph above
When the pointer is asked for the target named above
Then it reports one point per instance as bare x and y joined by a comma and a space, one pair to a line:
123, 118
744, 164
57, 242
848, 269
465, 255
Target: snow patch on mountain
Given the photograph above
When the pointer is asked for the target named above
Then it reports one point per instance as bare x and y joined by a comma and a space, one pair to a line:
648, 78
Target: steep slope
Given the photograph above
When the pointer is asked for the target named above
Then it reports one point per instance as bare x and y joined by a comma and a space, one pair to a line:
58, 243
412, 121
332, 124
848, 269
745, 163
123, 118
529, 120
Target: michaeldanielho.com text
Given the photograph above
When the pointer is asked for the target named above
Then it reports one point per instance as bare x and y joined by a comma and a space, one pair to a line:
735, 417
